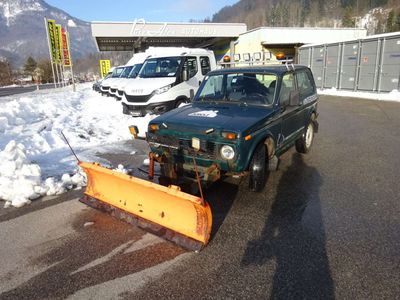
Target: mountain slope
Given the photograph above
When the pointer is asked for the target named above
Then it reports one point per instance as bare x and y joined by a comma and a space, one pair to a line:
23, 34
310, 13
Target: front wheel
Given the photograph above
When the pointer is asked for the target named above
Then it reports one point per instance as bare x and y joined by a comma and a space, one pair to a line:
304, 143
257, 169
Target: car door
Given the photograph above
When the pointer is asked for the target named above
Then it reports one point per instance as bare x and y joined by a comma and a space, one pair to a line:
291, 113
190, 66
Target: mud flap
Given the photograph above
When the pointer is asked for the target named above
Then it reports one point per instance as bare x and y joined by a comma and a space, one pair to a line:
166, 211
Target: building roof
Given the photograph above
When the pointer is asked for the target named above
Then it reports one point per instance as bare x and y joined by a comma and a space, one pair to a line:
139, 34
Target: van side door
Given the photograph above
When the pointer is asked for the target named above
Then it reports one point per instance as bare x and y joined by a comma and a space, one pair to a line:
190, 77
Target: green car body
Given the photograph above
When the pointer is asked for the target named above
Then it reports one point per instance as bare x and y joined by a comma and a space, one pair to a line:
201, 129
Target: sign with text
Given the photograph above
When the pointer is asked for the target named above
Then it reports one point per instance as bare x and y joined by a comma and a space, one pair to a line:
104, 67
65, 48
51, 29
57, 38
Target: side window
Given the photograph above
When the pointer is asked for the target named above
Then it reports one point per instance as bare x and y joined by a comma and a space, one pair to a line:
205, 65
305, 85
287, 86
191, 66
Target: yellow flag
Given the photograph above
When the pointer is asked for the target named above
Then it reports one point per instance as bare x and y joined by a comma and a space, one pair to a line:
104, 67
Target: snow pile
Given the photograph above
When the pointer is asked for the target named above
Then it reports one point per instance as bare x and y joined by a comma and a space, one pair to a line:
392, 96
121, 169
21, 182
36, 160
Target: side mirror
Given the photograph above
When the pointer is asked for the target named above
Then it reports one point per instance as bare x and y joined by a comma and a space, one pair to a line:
294, 98
191, 95
185, 75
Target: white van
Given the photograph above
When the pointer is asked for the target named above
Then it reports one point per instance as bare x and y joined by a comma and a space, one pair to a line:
130, 72
167, 79
105, 84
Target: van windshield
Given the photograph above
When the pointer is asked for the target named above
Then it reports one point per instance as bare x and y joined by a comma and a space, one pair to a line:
160, 67
135, 71
126, 72
117, 72
247, 88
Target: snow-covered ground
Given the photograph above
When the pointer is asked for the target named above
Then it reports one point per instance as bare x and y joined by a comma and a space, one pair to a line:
34, 158
392, 96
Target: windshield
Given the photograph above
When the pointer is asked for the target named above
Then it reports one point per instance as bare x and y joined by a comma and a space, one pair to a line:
160, 67
248, 88
135, 71
117, 72
125, 72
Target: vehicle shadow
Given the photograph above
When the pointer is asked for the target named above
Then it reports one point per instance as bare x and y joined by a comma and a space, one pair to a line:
294, 237
220, 197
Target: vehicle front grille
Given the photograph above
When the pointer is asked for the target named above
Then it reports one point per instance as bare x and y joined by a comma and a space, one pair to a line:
113, 90
120, 93
143, 98
105, 88
208, 150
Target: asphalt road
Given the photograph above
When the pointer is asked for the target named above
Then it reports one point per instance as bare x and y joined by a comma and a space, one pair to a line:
326, 226
7, 91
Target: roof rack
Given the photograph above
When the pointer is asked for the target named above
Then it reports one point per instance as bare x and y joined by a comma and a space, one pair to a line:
239, 63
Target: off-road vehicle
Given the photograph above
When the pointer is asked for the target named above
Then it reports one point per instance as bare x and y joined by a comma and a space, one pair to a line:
239, 122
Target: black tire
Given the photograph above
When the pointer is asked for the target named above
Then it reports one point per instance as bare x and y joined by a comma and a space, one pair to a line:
125, 110
179, 102
304, 143
258, 169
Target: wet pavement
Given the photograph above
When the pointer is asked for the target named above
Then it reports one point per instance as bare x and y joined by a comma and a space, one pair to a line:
326, 226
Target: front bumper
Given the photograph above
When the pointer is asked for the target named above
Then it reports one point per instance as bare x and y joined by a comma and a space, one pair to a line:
151, 108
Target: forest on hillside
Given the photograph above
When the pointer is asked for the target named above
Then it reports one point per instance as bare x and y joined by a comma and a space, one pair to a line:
376, 15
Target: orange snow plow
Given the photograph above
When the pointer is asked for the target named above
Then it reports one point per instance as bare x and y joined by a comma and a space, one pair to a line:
166, 211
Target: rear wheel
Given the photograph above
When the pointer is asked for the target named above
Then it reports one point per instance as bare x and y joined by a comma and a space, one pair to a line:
304, 143
258, 169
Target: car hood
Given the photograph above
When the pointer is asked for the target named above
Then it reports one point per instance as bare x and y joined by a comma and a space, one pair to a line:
145, 86
219, 117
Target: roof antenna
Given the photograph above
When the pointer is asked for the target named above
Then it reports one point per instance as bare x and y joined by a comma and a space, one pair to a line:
70, 147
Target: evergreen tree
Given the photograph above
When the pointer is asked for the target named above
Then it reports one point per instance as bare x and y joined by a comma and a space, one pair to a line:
30, 66
390, 21
347, 19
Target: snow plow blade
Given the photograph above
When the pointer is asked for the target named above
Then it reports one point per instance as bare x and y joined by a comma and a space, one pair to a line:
165, 211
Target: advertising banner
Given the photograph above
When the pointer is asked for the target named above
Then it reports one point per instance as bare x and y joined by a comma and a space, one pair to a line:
65, 48
57, 38
51, 28
104, 67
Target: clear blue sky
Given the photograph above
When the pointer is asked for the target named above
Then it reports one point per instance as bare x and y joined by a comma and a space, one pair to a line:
150, 10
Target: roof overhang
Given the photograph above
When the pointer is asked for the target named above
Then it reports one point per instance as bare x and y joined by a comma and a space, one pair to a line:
138, 35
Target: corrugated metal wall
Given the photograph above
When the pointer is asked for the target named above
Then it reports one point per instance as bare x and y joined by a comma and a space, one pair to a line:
370, 64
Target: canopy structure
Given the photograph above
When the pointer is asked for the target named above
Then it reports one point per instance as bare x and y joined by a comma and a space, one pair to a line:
139, 34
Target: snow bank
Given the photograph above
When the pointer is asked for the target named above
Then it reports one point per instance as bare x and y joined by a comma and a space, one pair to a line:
21, 180
34, 158
392, 96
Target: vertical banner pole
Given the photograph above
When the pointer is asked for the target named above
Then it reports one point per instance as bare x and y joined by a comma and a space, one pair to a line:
51, 57
71, 63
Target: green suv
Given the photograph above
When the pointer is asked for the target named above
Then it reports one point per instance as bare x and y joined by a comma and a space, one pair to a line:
239, 122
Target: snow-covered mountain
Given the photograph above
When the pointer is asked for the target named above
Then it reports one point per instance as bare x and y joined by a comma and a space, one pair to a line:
22, 30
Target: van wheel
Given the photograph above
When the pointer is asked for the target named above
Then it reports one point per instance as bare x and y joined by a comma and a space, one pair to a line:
179, 102
258, 169
125, 109
304, 143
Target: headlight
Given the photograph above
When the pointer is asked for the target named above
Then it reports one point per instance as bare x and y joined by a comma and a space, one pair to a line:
227, 152
163, 89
